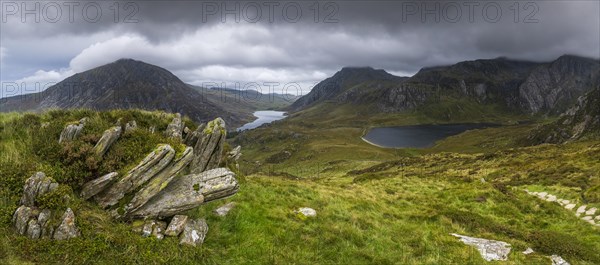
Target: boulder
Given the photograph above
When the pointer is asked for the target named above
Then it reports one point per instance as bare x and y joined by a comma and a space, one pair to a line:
176, 225
43, 221
95, 186
208, 151
489, 249
160, 181
306, 212
154, 162
557, 260
175, 128
108, 138
72, 131
35, 186
194, 233
21, 219
223, 210
188, 192
67, 228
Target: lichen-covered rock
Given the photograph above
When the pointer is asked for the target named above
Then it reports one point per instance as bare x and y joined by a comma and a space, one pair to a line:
208, 151
34, 230
160, 181
67, 228
72, 131
224, 210
176, 225
155, 162
194, 233
43, 221
35, 186
489, 249
175, 128
189, 191
148, 228
108, 138
21, 219
95, 186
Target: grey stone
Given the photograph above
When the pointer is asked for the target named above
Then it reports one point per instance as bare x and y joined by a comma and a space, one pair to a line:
33, 229
145, 170
175, 128
43, 218
176, 226
72, 131
528, 251
570, 206
130, 126
67, 228
551, 198
192, 138
160, 181
35, 186
223, 210
194, 233
489, 249
557, 260
109, 137
580, 210
306, 212
208, 151
96, 186
148, 228
188, 192
591, 211
21, 219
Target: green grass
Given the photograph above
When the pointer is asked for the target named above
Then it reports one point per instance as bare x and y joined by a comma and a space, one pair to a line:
374, 205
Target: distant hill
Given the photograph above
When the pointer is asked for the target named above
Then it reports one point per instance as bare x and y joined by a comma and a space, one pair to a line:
246, 101
521, 87
126, 84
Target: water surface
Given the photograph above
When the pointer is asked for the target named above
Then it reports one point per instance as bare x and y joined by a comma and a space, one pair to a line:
417, 136
264, 116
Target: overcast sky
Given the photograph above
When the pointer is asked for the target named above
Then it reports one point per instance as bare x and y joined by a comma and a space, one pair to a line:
302, 42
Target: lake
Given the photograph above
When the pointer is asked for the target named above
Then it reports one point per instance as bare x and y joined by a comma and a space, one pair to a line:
417, 136
264, 116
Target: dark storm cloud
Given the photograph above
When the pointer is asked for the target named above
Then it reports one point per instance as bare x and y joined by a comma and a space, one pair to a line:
201, 40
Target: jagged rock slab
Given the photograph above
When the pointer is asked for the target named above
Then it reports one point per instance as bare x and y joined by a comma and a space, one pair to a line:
21, 219
96, 186
176, 226
160, 181
35, 186
194, 233
189, 191
155, 162
175, 128
192, 138
108, 138
72, 131
34, 230
224, 210
43, 221
67, 228
208, 150
489, 249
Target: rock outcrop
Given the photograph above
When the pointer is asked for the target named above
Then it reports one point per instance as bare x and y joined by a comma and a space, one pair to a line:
489, 249
208, 150
72, 131
108, 138
175, 128
95, 186
188, 192
148, 168
30, 221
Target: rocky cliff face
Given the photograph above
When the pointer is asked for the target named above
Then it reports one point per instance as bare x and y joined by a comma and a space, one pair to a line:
580, 121
527, 87
124, 84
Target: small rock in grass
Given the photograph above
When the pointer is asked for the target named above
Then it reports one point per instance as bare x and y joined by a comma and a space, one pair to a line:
528, 251
591, 211
148, 228
557, 260
306, 212
159, 230
581, 209
570, 206
176, 226
551, 198
223, 210
489, 249
194, 233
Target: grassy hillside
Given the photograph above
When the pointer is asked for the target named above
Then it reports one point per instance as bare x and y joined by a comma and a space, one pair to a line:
374, 206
